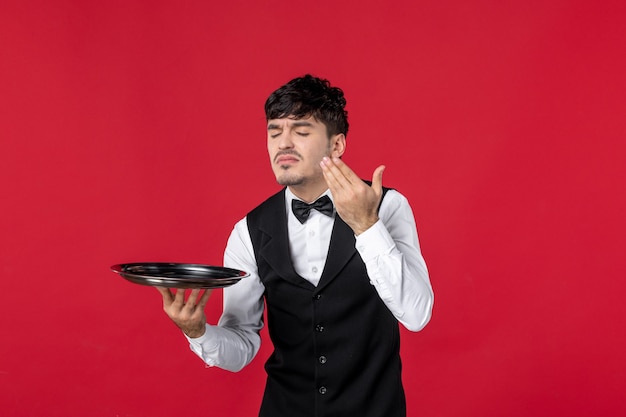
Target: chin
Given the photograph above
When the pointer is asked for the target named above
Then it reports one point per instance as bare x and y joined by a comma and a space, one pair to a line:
289, 179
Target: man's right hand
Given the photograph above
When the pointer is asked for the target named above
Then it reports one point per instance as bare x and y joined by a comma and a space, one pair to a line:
188, 315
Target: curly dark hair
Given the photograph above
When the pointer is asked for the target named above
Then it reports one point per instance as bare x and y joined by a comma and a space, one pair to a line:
310, 96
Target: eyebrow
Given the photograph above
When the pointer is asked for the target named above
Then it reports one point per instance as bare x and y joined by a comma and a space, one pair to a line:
302, 124
297, 123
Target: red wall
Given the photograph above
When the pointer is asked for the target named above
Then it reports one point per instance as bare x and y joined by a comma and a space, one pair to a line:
134, 131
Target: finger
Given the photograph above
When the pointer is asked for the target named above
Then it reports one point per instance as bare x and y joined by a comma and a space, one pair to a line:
204, 299
345, 170
179, 298
328, 174
167, 295
334, 176
341, 171
193, 296
377, 180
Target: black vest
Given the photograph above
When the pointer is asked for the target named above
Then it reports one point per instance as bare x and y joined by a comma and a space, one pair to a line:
336, 346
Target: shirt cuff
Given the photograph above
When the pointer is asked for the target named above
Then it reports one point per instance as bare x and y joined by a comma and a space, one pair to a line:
203, 341
204, 345
374, 242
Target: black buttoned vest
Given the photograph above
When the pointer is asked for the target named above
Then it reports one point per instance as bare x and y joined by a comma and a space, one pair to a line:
336, 346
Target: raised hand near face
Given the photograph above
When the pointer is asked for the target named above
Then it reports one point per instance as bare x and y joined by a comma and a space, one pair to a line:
356, 202
188, 314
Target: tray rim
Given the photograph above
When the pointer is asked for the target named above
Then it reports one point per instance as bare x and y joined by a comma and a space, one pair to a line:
179, 282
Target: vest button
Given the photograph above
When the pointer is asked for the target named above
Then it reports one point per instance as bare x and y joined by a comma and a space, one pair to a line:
317, 296
319, 328
322, 359
322, 390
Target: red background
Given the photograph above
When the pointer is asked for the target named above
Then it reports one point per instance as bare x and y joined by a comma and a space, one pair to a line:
134, 131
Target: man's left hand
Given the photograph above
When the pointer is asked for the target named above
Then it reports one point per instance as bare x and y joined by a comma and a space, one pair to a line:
356, 202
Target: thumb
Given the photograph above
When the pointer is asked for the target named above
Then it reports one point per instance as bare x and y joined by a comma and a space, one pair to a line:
377, 180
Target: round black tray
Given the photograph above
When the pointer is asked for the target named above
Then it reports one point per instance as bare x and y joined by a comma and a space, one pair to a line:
179, 275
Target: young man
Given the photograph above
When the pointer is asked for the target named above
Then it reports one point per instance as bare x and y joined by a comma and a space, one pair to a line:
335, 281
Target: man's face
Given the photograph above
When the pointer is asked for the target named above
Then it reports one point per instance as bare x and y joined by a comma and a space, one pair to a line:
296, 147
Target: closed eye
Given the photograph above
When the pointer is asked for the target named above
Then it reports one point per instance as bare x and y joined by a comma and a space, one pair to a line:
274, 132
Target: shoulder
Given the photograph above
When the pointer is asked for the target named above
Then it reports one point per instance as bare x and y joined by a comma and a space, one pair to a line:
393, 202
393, 197
268, 217
241, 228
271, 203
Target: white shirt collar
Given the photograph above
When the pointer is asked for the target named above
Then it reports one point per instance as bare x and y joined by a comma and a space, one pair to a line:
290, 196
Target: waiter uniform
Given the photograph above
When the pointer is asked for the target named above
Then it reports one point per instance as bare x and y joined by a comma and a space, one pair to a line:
333, 304
336, 345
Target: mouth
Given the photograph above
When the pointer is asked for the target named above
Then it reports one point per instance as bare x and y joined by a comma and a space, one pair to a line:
286, 159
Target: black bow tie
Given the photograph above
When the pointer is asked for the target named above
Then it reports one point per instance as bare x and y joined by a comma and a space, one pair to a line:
302, 210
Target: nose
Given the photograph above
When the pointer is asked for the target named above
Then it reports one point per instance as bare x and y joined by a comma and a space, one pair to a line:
284, 141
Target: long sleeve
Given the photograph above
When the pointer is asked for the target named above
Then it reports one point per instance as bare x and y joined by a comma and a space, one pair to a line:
395, 265
234, 342
390, 250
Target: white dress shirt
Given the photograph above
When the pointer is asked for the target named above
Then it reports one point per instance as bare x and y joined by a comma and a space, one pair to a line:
392, 256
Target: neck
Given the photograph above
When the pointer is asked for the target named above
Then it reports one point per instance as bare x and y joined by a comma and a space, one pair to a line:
308, 193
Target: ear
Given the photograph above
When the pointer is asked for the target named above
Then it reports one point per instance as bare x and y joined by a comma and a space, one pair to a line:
337, 145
